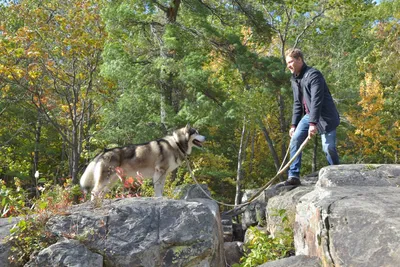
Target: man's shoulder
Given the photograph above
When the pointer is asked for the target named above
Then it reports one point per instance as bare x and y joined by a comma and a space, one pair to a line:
311, 72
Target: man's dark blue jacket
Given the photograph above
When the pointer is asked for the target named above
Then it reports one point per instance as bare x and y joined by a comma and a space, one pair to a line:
322, 110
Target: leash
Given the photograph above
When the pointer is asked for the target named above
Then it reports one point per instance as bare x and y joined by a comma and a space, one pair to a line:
258, 193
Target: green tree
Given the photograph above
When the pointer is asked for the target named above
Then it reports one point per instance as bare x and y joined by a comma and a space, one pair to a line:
50, 52
375, 124
196, 67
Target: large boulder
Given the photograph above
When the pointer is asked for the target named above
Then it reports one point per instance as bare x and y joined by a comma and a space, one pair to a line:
254, 213
67, 253
5, 225
285, 199
233, 252
287, 203
353, 222
146, 232
360, 175
192, 191
295, 261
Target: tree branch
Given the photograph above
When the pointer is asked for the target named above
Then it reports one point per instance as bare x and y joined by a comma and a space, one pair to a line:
160, 6
308, 25
213, 12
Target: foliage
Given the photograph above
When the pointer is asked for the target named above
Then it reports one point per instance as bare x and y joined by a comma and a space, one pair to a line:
12, 200
56, 198
212, 170
15, 200
374, 128
49, 56
29, 235
78, 76
132, 187
263, 247
375, 125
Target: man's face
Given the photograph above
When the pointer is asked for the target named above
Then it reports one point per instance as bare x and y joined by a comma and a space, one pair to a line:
294, 65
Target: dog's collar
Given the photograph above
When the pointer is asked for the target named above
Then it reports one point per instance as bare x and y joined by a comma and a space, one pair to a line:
181, 149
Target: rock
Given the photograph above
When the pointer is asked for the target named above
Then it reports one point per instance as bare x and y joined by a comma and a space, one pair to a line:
233, 252
286, 202
227, 228
5, 225
295, 261
192, 191
147, 232
350, 226
66, 253
350, 218
310, 179
250, 233
238, 232
360, 175
254, 213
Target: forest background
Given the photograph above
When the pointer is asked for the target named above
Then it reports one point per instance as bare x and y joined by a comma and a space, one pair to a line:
77, 76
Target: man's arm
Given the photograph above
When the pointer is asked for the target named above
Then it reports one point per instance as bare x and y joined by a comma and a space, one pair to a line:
298, 111
317, 88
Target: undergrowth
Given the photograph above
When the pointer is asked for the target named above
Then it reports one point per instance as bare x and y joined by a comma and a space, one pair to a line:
29, 235
263, 247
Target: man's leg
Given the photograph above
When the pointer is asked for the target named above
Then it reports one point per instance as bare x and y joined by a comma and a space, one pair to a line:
298, 138
329, 147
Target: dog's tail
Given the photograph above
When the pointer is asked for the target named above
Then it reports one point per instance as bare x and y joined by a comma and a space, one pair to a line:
87, 179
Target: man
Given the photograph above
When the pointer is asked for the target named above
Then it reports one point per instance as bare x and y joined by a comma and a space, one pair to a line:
313, 112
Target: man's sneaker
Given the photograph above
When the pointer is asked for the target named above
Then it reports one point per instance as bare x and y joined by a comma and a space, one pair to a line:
292, 181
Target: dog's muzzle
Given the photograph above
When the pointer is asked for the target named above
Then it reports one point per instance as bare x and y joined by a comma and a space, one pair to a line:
198, 140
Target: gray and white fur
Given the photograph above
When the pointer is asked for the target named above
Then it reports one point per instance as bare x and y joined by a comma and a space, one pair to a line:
153, 159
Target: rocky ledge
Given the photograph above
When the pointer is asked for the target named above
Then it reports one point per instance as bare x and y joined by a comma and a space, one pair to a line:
345, 215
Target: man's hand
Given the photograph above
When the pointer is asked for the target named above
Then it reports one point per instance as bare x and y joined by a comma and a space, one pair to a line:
312, 131
291, 131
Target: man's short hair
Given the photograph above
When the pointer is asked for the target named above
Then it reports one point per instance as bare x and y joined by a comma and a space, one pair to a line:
294, 53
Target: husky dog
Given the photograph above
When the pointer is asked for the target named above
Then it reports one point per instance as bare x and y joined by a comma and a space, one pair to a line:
153, 159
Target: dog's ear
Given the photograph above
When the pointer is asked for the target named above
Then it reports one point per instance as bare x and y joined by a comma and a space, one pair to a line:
188, 126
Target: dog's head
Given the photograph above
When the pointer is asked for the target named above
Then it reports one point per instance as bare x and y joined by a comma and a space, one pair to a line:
188, 137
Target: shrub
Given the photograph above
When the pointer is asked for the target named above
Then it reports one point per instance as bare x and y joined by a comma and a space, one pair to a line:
263, 247
29, 236
132, 187
13, 198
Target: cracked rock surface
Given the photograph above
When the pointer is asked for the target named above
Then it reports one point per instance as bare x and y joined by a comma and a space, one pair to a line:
142, 232
352, 218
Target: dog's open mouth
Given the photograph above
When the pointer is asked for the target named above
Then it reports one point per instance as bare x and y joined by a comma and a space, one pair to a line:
198, 141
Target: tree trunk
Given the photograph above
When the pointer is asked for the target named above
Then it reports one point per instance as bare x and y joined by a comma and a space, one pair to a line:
271, 147
86, 132
38, 129
172, 11
253, 137
240, 171
166, 78
173, 175
282, 121
74, 161
77, 131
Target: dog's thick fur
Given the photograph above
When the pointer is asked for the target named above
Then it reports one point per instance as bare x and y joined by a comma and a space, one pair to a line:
153, 159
